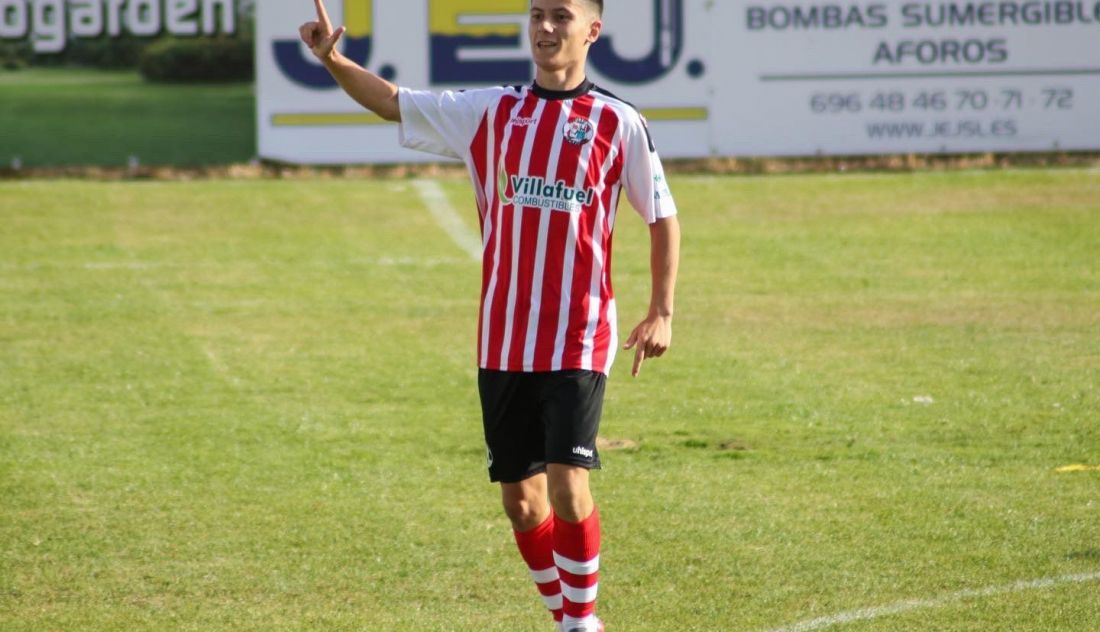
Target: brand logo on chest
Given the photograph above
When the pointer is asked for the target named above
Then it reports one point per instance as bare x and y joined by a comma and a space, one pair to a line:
537, 192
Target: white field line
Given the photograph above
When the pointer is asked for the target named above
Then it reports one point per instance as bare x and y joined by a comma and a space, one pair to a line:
936, 602
445, 215
125, 265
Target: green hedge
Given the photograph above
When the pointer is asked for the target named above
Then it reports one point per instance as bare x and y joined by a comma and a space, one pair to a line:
199, 59
14, 55
101, 52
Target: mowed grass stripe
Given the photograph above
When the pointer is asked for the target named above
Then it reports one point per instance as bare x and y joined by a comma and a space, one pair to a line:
264, 452
240, 404
66, 116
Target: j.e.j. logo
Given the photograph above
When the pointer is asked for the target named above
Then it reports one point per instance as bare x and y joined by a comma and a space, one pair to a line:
578, 131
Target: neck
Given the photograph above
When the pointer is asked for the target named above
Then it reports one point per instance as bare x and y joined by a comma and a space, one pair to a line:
562, 79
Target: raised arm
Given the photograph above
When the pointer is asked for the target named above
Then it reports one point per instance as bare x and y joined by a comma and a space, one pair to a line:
368, 89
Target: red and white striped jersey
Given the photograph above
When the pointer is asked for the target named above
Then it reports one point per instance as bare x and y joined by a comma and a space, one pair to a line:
547, 169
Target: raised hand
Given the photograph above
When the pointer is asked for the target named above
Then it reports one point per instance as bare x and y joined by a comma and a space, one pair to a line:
319, 35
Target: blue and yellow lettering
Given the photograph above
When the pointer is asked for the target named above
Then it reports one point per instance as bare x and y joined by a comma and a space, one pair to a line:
356, 41
668, 43
461, 25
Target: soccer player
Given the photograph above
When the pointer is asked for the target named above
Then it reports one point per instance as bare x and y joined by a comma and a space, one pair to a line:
548, 162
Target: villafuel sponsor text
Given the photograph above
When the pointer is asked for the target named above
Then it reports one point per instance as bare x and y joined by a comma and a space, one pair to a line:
536, 192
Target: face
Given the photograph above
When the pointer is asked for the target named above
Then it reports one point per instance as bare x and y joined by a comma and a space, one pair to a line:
561, 31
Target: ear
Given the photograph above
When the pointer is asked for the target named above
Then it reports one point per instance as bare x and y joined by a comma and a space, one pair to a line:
594, 32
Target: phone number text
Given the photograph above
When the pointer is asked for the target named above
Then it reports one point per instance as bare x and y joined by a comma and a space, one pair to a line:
956, 100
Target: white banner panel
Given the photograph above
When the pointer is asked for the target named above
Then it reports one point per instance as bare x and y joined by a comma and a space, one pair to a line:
719, 77
899, 77
646, 56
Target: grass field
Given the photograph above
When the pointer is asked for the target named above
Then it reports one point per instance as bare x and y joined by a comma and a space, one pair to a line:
251, 405
56, 117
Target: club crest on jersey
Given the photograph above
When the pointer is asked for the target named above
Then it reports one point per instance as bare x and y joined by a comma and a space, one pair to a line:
579, 131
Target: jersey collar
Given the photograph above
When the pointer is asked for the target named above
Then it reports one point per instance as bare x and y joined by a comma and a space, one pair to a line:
558, 95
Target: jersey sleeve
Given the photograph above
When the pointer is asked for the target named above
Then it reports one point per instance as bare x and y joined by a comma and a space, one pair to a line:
442, 123
643, 174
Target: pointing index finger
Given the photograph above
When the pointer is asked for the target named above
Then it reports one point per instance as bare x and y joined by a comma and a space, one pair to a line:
322, 15
639, 355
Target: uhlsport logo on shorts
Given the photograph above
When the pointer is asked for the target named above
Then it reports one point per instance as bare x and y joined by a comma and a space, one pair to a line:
583, 451
578, 131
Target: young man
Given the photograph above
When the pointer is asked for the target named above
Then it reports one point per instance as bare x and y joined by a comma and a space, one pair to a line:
548, 162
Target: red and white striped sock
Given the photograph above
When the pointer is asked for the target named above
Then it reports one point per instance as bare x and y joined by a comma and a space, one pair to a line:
537, 548
577, 555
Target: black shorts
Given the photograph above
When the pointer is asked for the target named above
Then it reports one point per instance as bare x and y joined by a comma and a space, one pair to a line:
532, 419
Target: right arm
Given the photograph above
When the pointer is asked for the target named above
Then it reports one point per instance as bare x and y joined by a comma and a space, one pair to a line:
368, 89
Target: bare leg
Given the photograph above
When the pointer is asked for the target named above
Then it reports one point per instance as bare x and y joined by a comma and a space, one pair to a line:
525, 502
576, 545
526, 506
569, 493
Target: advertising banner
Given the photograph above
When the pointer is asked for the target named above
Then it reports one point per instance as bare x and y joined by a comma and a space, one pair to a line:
169, 81
721, 78
900, 77
650, 54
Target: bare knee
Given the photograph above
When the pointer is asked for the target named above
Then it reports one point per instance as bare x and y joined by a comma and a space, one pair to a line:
524, 514
569, 492
525, 503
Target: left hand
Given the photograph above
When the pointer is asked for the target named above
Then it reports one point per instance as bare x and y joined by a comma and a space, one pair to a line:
652, 337
319, 35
